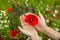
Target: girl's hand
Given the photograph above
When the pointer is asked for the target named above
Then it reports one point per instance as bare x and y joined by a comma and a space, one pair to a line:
28, 29
42, 27
41, 22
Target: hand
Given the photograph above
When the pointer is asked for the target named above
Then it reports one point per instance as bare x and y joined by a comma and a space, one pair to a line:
28, 29
42, 27
41, 22
47, 30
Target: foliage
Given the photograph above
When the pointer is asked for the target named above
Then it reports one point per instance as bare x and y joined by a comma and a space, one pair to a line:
49, 8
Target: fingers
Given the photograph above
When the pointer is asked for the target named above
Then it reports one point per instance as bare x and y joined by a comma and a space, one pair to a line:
31, 28
20, 29
27, 26
25, 31
23, 23
40, 15
22, 20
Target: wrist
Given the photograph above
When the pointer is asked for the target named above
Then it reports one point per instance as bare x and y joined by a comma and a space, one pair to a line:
44, 28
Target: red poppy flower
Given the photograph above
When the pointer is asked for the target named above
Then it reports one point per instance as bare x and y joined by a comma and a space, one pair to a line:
10, 9
0, 38
13, 33
31, 19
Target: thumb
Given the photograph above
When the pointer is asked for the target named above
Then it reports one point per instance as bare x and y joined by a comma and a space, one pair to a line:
24, 31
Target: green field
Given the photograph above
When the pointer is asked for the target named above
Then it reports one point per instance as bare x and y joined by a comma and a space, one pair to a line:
10, 20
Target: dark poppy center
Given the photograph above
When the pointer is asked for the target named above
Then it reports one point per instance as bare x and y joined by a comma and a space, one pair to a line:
31, 20
14, 33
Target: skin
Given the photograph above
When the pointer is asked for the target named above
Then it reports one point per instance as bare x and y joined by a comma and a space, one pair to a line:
47, 30
40, 27
28, 29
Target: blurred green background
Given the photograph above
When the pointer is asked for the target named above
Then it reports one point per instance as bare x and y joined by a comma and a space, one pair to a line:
50, 9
